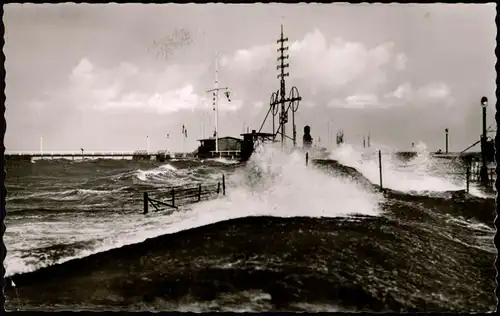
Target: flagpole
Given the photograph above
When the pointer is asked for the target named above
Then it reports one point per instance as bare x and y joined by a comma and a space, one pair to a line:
329, 138
215, 100
216, 103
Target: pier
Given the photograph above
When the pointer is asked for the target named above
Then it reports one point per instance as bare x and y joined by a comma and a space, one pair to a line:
136, 155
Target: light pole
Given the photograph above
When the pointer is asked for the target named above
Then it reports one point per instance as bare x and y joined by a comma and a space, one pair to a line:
484, 169
168, 143
446, 144
41, 146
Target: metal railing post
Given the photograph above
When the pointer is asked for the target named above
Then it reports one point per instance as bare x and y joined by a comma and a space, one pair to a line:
223, 185
380, 167
145, 203
467, 178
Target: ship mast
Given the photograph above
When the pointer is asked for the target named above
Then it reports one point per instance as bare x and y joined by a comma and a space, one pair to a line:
215, 101
216, 108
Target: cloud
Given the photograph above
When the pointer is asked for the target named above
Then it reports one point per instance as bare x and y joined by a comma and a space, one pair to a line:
430, 93
258, 104
402, 95
126, 87
400, 61
322, 68
234, 105
359, 101
308, 104
183, 98
349, 74
336, 63
249, 60
435, 91
403, 91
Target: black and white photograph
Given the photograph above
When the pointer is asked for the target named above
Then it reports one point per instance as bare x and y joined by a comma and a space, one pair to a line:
215, 157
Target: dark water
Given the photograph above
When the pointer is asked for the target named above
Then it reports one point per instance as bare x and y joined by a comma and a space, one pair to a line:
286, 237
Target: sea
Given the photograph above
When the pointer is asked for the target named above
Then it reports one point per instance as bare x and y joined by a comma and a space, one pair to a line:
286, 236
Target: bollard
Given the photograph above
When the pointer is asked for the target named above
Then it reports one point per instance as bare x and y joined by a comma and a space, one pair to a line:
218, 187
199, 192
307, 159
173, 197
380, 168
223, 185
467, 178
145, 203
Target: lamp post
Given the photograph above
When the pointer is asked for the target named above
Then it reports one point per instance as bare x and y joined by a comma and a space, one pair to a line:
446, 144
484, 169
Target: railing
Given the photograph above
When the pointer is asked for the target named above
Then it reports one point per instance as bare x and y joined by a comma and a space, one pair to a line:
141, 153
472, 174
226, 153
192, 194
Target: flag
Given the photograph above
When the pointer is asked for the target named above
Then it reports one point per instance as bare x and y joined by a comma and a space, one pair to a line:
184, 131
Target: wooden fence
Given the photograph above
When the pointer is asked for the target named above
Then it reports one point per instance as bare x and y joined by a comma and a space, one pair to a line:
182, 195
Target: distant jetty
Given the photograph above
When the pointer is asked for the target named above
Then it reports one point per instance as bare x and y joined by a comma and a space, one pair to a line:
136, 155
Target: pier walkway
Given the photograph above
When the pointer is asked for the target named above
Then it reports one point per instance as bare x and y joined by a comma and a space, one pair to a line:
136, 155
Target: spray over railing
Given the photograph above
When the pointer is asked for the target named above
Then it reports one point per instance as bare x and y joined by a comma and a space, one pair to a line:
473, 174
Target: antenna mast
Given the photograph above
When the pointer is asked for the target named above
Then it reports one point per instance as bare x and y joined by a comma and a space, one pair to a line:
279, 97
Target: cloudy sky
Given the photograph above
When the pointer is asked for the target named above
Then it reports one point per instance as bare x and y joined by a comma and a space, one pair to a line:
103, 77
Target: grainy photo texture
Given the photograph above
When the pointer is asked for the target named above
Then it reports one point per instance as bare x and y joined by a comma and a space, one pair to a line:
250, 158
